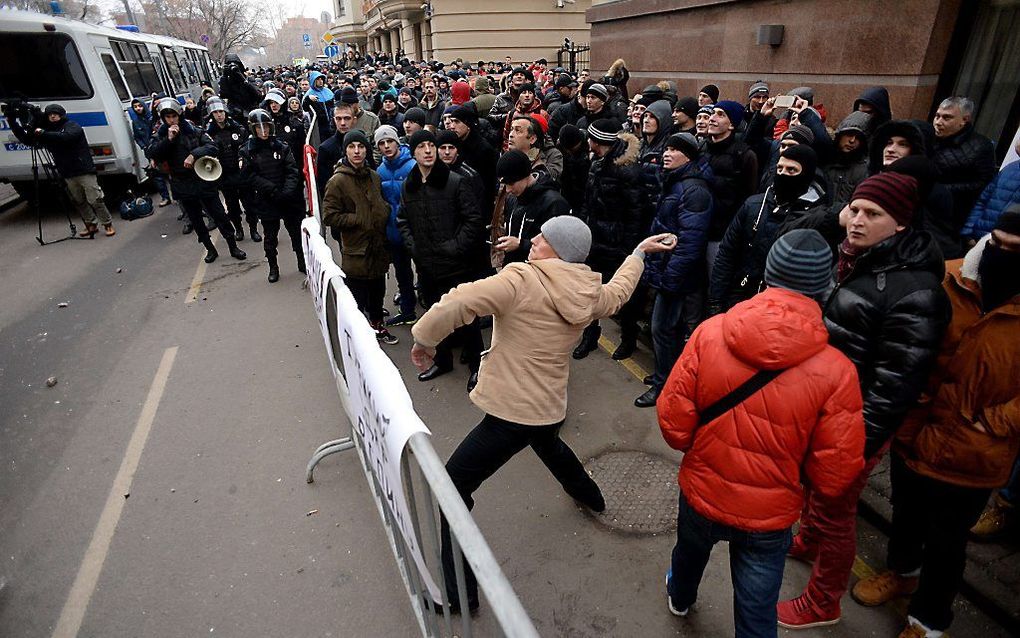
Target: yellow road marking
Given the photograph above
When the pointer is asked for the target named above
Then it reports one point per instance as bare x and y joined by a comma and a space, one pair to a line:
196, 282
92, 564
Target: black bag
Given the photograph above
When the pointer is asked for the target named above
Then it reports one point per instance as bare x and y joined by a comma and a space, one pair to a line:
738, 395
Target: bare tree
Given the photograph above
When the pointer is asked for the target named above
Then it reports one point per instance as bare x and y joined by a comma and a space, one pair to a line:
229, 24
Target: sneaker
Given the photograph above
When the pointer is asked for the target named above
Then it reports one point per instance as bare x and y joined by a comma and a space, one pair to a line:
800, 551
383, 335
800, 613
881, 588
110, 232
995, 520
682, 613
402, 319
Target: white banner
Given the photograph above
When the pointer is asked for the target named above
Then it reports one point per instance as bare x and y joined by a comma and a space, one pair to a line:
379, 407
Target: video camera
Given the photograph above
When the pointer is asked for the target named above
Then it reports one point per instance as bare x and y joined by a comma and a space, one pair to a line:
27, 114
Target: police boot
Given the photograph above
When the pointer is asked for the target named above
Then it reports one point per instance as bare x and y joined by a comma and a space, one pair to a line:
238, 232
589, 342
210, 251
274, 271
235, 252
254, 233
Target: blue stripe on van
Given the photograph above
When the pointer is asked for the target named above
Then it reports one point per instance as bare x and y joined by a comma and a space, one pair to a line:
91, 118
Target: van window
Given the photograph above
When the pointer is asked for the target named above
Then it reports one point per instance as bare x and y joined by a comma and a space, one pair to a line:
114, 73
137, 68
174, 67
24, 54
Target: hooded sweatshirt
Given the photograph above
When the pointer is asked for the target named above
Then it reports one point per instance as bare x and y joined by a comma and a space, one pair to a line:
539, 310
324, 94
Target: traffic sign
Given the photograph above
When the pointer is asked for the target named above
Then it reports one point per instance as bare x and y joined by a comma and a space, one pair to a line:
204, 38
306, 38
331, 51
327, 37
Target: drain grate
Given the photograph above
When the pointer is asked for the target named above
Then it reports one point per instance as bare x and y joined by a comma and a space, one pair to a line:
640, 491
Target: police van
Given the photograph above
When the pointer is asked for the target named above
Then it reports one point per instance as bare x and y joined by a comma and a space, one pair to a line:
93, 72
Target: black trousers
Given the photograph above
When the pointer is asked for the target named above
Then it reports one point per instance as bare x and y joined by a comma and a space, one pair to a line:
487, 448
369, 293
271, 236
232, 196
432, 289
193, 206
930, 525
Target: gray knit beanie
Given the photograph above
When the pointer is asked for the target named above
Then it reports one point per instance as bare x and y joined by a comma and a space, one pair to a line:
569, 237
800, 261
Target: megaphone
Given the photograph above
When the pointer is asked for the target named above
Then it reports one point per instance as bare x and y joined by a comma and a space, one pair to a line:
208, 168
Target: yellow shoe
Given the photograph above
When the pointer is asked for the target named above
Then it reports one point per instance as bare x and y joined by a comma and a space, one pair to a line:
994, 521
913, 631
881, 588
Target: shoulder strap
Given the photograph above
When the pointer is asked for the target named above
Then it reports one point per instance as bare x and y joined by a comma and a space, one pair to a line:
738, 395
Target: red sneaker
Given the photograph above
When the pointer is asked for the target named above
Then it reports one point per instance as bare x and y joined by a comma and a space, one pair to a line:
800, 613
800, 551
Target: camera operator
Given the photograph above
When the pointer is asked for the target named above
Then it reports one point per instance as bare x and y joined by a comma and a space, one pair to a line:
65, 140
180, 145
235, 88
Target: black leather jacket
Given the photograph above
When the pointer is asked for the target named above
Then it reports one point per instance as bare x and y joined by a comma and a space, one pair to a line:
269, 171
888, 317
189, 141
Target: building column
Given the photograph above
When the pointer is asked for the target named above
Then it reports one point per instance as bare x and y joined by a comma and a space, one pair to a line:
407, 41
426, 33
384, 38
416, 35
395, 40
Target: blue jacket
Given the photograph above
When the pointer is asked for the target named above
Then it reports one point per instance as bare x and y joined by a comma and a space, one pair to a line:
685, 209
141, 127
1000, 194
393, 172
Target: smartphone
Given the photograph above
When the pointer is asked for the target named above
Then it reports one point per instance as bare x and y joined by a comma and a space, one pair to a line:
785, 101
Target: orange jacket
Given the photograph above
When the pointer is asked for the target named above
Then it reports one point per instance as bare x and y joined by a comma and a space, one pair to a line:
746, 468
975, 379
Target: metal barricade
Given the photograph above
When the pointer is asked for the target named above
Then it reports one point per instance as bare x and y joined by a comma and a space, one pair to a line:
428, 491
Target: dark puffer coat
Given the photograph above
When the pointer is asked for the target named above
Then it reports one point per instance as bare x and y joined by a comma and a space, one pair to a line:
440, 222
228, 139
525, 215
965, 163
739, 270
888, 317
189, 141
568, 113
735, 178
269, 171
685, 209
614, 205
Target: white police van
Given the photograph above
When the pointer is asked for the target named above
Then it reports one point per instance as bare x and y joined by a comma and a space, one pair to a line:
93, 72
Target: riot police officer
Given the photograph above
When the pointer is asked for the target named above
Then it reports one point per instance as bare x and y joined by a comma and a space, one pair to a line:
180, 145
229, 135
290, 127
274, 184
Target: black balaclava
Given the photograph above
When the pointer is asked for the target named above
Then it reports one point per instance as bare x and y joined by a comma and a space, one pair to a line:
998, 267
789, 187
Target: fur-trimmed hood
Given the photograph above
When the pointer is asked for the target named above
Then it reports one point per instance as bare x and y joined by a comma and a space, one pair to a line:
617, 69
625, 151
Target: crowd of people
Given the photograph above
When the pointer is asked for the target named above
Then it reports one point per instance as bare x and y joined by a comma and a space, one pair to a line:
852, 286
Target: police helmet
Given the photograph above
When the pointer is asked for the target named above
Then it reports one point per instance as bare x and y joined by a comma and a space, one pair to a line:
276, 95
169, 104
214, 103
260, 117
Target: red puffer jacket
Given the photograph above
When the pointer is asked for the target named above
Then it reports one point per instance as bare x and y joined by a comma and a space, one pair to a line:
746, 468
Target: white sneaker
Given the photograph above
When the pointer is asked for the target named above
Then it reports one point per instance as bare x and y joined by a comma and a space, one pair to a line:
669, 601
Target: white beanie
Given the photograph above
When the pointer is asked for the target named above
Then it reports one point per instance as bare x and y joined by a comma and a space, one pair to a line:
386, 132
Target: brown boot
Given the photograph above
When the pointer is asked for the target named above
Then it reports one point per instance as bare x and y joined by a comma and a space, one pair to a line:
110, 232
89, 230
995, 520
881, 588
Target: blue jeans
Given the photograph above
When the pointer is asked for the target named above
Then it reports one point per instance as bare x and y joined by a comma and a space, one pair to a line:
405, 278
674, 318
757, 560
1011, 493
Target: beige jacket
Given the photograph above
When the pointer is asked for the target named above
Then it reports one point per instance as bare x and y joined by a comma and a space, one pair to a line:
539, 310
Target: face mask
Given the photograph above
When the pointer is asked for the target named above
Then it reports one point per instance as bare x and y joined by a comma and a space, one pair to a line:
789, 187
999, 270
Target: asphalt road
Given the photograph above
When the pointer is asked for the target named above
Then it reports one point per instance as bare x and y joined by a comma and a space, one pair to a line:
157, 489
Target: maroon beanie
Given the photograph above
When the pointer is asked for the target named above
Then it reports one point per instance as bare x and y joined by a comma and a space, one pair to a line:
896, 194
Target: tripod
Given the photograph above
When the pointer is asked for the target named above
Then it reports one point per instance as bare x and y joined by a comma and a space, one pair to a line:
42, 158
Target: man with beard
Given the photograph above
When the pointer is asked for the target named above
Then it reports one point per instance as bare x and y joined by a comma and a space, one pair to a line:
505, 102
527, 104
432, 105
531, 200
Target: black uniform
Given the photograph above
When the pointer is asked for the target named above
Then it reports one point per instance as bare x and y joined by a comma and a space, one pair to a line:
193, 193
274, 183
229, 137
